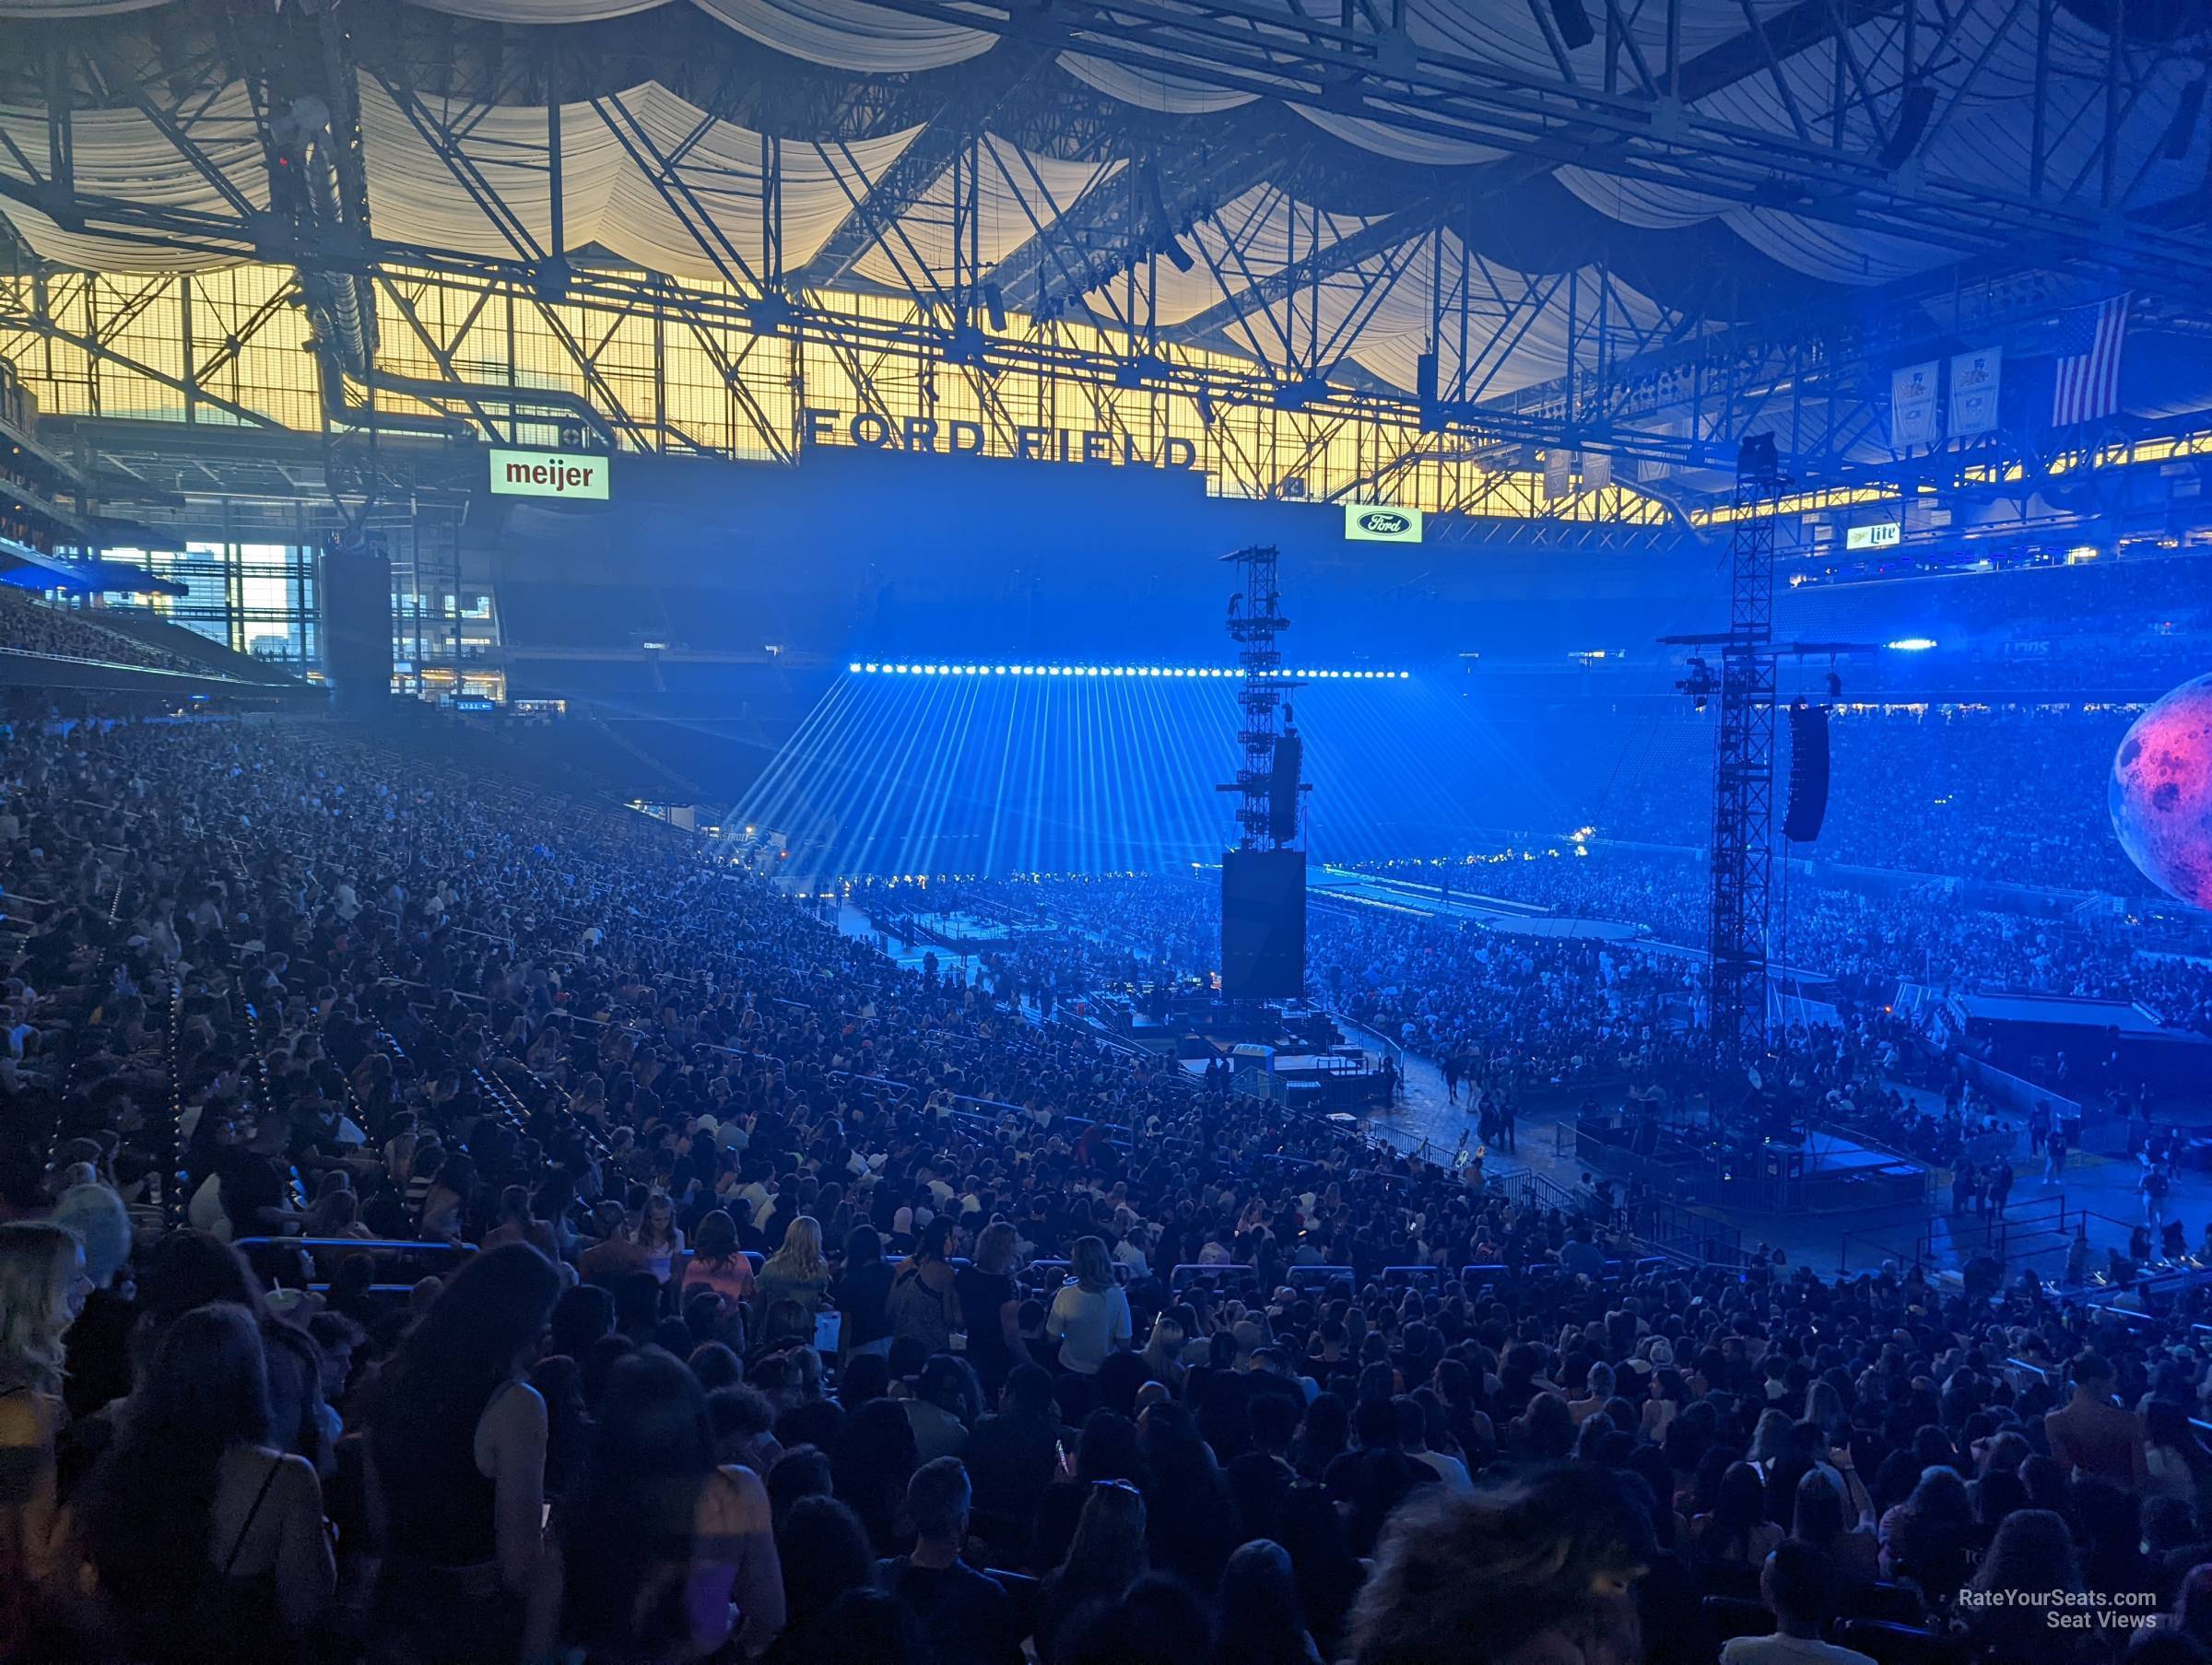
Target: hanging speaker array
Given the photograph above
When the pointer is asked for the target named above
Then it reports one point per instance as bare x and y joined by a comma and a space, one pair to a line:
1283, 788
1807, 806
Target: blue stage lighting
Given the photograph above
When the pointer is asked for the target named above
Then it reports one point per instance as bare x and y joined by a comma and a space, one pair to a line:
891, 668
1913, 644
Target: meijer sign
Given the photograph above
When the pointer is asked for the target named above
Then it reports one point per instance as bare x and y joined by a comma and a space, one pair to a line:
547, 473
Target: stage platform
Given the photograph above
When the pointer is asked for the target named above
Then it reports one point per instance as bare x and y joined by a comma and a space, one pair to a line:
1839, 1173
2020, 1037
958, 932
1595, 931
1825, 1172
1492, 913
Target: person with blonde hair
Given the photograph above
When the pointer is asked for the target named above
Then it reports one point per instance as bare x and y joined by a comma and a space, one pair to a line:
1091, 1315
43, 1288
794, 1273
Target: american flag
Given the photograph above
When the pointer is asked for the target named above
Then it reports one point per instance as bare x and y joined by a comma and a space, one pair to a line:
2089, 339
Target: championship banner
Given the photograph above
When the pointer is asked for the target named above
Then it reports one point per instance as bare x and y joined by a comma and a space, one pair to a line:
1975, 378
1912, 406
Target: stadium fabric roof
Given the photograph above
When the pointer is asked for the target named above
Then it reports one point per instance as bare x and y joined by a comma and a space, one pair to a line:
1972, 106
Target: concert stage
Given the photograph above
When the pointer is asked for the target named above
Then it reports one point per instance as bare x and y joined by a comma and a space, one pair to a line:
1289, 1052
1823, 1171
2019, 1039
1432, 902
957, 932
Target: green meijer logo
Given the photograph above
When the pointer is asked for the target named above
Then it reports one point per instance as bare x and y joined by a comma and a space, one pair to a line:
545, 473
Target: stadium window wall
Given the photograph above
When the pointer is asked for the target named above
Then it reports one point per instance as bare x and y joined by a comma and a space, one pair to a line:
250, 570
677, 370
256, 599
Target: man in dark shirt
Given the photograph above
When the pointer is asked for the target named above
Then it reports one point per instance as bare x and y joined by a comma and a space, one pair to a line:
1373, 1477
969, 1617
255, 1176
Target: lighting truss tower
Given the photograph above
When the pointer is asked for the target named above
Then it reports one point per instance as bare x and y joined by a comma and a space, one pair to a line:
1256, 621
1743, 776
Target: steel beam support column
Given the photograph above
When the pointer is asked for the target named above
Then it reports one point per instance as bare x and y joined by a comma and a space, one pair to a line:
1743, 799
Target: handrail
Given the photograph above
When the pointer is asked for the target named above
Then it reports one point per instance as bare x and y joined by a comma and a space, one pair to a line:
363, 1245
1209, 1268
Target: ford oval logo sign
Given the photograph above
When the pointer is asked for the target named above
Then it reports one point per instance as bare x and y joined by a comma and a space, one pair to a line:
1374, 524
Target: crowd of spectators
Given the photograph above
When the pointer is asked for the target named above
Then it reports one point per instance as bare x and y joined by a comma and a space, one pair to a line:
450, 1221
1430, 980
28, 624
1866, 939
2014, 793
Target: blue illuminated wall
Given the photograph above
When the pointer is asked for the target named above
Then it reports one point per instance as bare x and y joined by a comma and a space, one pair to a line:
868, 554
991, 775
859, 558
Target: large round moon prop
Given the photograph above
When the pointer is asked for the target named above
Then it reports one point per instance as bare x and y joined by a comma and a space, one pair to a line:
2161, 793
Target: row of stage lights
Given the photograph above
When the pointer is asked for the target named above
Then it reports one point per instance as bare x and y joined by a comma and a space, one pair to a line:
858, 669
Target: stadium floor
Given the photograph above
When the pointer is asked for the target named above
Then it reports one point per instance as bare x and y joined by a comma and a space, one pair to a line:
2104, 1186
